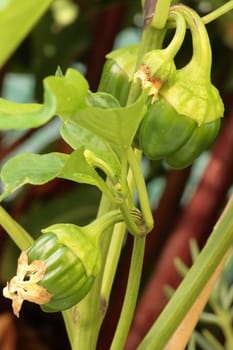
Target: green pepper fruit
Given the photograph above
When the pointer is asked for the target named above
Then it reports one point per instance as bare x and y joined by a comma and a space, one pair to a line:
185, 119
157, 130
201, 138
66, 277
118, 71
159, 63
59, 268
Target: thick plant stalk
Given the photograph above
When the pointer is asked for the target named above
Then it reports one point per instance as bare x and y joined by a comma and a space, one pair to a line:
161, 13
183, 333
194, 282
218, 12
196, 221
165, 216
130, 295
17, 233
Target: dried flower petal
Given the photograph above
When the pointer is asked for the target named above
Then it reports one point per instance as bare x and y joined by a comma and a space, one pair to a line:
24, 285
147, 81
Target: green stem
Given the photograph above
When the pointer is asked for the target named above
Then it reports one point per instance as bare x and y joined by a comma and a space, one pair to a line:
117, 239
209, 318
212, 341
100, 224
97, 162
17, 233
225, 321
83, 329
115, 250
218, 12
179, 35
190, 288
112, 260
192, 343
68, 320
134, 161
106, 189
228, 334
151, 38
131, 295
161, 13
125, 181
200, 40
84, 320
130, 223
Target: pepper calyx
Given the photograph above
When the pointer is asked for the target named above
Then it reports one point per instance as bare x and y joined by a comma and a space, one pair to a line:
198, 100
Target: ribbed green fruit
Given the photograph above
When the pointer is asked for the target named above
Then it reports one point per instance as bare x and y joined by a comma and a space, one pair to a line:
65, 278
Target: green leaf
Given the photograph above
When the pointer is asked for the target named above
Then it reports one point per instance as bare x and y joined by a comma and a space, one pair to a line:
77, 169
62, 95
114, 125
77, 136
126, 58
30, 168
102, 100
37, 169
219, 242
69, 92
16, 20
15, 115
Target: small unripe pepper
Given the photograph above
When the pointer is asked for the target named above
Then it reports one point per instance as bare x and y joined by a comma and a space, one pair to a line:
66, 277
118, 72
59, 268
157, 133
119, 69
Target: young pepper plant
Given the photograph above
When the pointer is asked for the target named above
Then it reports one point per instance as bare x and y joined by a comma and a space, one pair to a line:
105, 132
98, 147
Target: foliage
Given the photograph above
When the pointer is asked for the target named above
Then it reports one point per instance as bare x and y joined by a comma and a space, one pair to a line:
100, 137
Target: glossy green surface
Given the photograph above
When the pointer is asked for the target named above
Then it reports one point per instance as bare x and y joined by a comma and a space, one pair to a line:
202, 138
115, 81
164, 134
163, 130
65, 277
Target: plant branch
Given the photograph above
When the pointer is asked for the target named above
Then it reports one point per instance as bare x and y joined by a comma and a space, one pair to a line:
84, 320
222, 10
17, 233
156, 13
183, 333
91, 310
112, 260
134, 161
131, 294
188, 291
